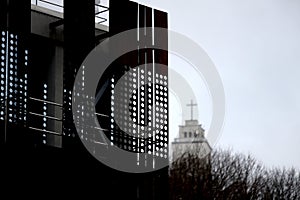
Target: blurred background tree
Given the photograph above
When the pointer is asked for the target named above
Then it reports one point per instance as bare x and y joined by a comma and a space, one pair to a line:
225, 175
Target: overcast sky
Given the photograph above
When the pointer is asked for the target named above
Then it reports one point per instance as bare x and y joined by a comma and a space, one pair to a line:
255, 45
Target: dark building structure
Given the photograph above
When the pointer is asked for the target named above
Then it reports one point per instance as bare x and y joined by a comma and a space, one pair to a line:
41, 52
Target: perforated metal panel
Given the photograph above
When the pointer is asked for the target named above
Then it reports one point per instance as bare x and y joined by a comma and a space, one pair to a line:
141, 100
13, 80
3, 76
68, 127
85, 113
16, 83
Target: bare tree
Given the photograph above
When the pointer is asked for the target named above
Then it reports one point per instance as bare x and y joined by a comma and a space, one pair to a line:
224, 175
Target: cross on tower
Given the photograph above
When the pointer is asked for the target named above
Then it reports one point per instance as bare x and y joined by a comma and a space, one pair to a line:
192, 105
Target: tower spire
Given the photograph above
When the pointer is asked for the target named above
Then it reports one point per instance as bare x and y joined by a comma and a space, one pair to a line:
192, 105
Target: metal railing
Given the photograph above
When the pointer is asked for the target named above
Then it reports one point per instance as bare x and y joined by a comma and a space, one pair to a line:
48, 2
101, 11
47, 102
98, 13
46, 116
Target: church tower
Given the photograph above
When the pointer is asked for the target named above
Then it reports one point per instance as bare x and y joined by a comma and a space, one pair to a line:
191, 139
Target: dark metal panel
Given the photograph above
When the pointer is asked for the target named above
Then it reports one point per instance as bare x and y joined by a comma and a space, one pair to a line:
160, 177
16, 64
40, 90
19, 17
3, 15
161, 21
148, 102
79, 30
122, 16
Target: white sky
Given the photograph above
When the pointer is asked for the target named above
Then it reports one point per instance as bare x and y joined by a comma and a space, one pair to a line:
255, 46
